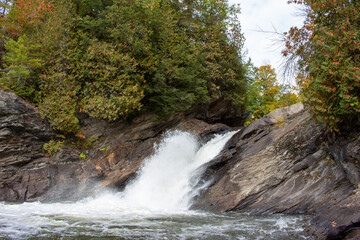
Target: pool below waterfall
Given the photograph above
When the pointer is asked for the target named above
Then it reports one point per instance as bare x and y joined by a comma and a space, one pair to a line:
154, 206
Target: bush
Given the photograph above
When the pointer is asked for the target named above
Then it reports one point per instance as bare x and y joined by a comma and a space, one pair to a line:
52, 146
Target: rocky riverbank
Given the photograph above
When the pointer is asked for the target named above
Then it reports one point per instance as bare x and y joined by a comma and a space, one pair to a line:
102, 154
282, 163
285, 163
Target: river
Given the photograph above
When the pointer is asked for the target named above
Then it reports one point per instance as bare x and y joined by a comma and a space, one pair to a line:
154, 206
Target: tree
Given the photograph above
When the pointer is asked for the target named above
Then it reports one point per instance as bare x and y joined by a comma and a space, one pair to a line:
20, 61
91, 74
328, 52
217, 30
24, 17
265, 94
4, 7
112, 59
111, 86
177, 80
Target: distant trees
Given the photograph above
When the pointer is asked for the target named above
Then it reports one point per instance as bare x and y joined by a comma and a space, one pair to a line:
265, 94
112, 58
328, 51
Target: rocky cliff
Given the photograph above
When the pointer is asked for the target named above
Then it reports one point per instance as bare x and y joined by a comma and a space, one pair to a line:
102, 154
22, 136
283, 163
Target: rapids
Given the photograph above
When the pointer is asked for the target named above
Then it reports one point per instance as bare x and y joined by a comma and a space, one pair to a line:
154, 206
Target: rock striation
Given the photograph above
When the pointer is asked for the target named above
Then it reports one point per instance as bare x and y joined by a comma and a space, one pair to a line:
113, 152
282, 163
285, 163
22, 135
22, 131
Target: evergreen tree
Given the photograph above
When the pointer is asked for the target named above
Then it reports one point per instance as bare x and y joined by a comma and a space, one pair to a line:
20, 61
112, 58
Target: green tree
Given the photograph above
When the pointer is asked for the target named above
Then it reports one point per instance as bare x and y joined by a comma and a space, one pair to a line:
265, 94
111, 86
328, 49
112, 58
216, 28
19, 60
177, 81
60, 107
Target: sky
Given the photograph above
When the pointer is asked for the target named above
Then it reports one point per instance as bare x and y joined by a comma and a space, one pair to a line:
266, 15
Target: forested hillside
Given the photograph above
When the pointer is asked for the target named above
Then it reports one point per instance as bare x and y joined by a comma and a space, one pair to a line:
120, 89
112, 58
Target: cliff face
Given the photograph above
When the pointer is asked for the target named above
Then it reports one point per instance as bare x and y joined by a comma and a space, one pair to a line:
114, 151
22, 135
284, 163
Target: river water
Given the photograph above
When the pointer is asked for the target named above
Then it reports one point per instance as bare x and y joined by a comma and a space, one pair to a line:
154, 206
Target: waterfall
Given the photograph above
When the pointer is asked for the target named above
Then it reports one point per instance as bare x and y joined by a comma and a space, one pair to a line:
154, 206
167, 179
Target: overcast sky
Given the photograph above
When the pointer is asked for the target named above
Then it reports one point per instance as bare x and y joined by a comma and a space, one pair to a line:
266, 15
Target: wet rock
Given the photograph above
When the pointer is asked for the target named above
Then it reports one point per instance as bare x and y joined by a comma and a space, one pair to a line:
202, 129
282, 163
130, 144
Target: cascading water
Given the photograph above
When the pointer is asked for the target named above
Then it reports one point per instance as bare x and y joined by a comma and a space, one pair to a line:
154, 206
167, 179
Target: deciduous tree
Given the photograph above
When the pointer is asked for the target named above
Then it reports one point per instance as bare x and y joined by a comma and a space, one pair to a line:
265, 94
328, 52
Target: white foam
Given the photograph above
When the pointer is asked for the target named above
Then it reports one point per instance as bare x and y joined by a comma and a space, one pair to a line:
154, 206
167, 179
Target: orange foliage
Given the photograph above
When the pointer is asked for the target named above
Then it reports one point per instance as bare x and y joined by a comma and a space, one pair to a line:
24, 16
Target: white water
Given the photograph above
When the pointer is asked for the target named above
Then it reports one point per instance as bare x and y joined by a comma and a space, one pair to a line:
154, 206
166, 182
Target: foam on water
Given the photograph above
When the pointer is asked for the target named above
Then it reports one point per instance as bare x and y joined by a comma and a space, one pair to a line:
154, 206
167, 178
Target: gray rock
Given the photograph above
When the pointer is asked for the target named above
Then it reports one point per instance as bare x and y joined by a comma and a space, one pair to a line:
117, 151
285, 113
285, 163
219, 111
22, 136
22, 131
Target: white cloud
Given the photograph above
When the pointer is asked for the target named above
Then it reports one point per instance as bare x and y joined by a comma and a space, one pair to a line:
266, 15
